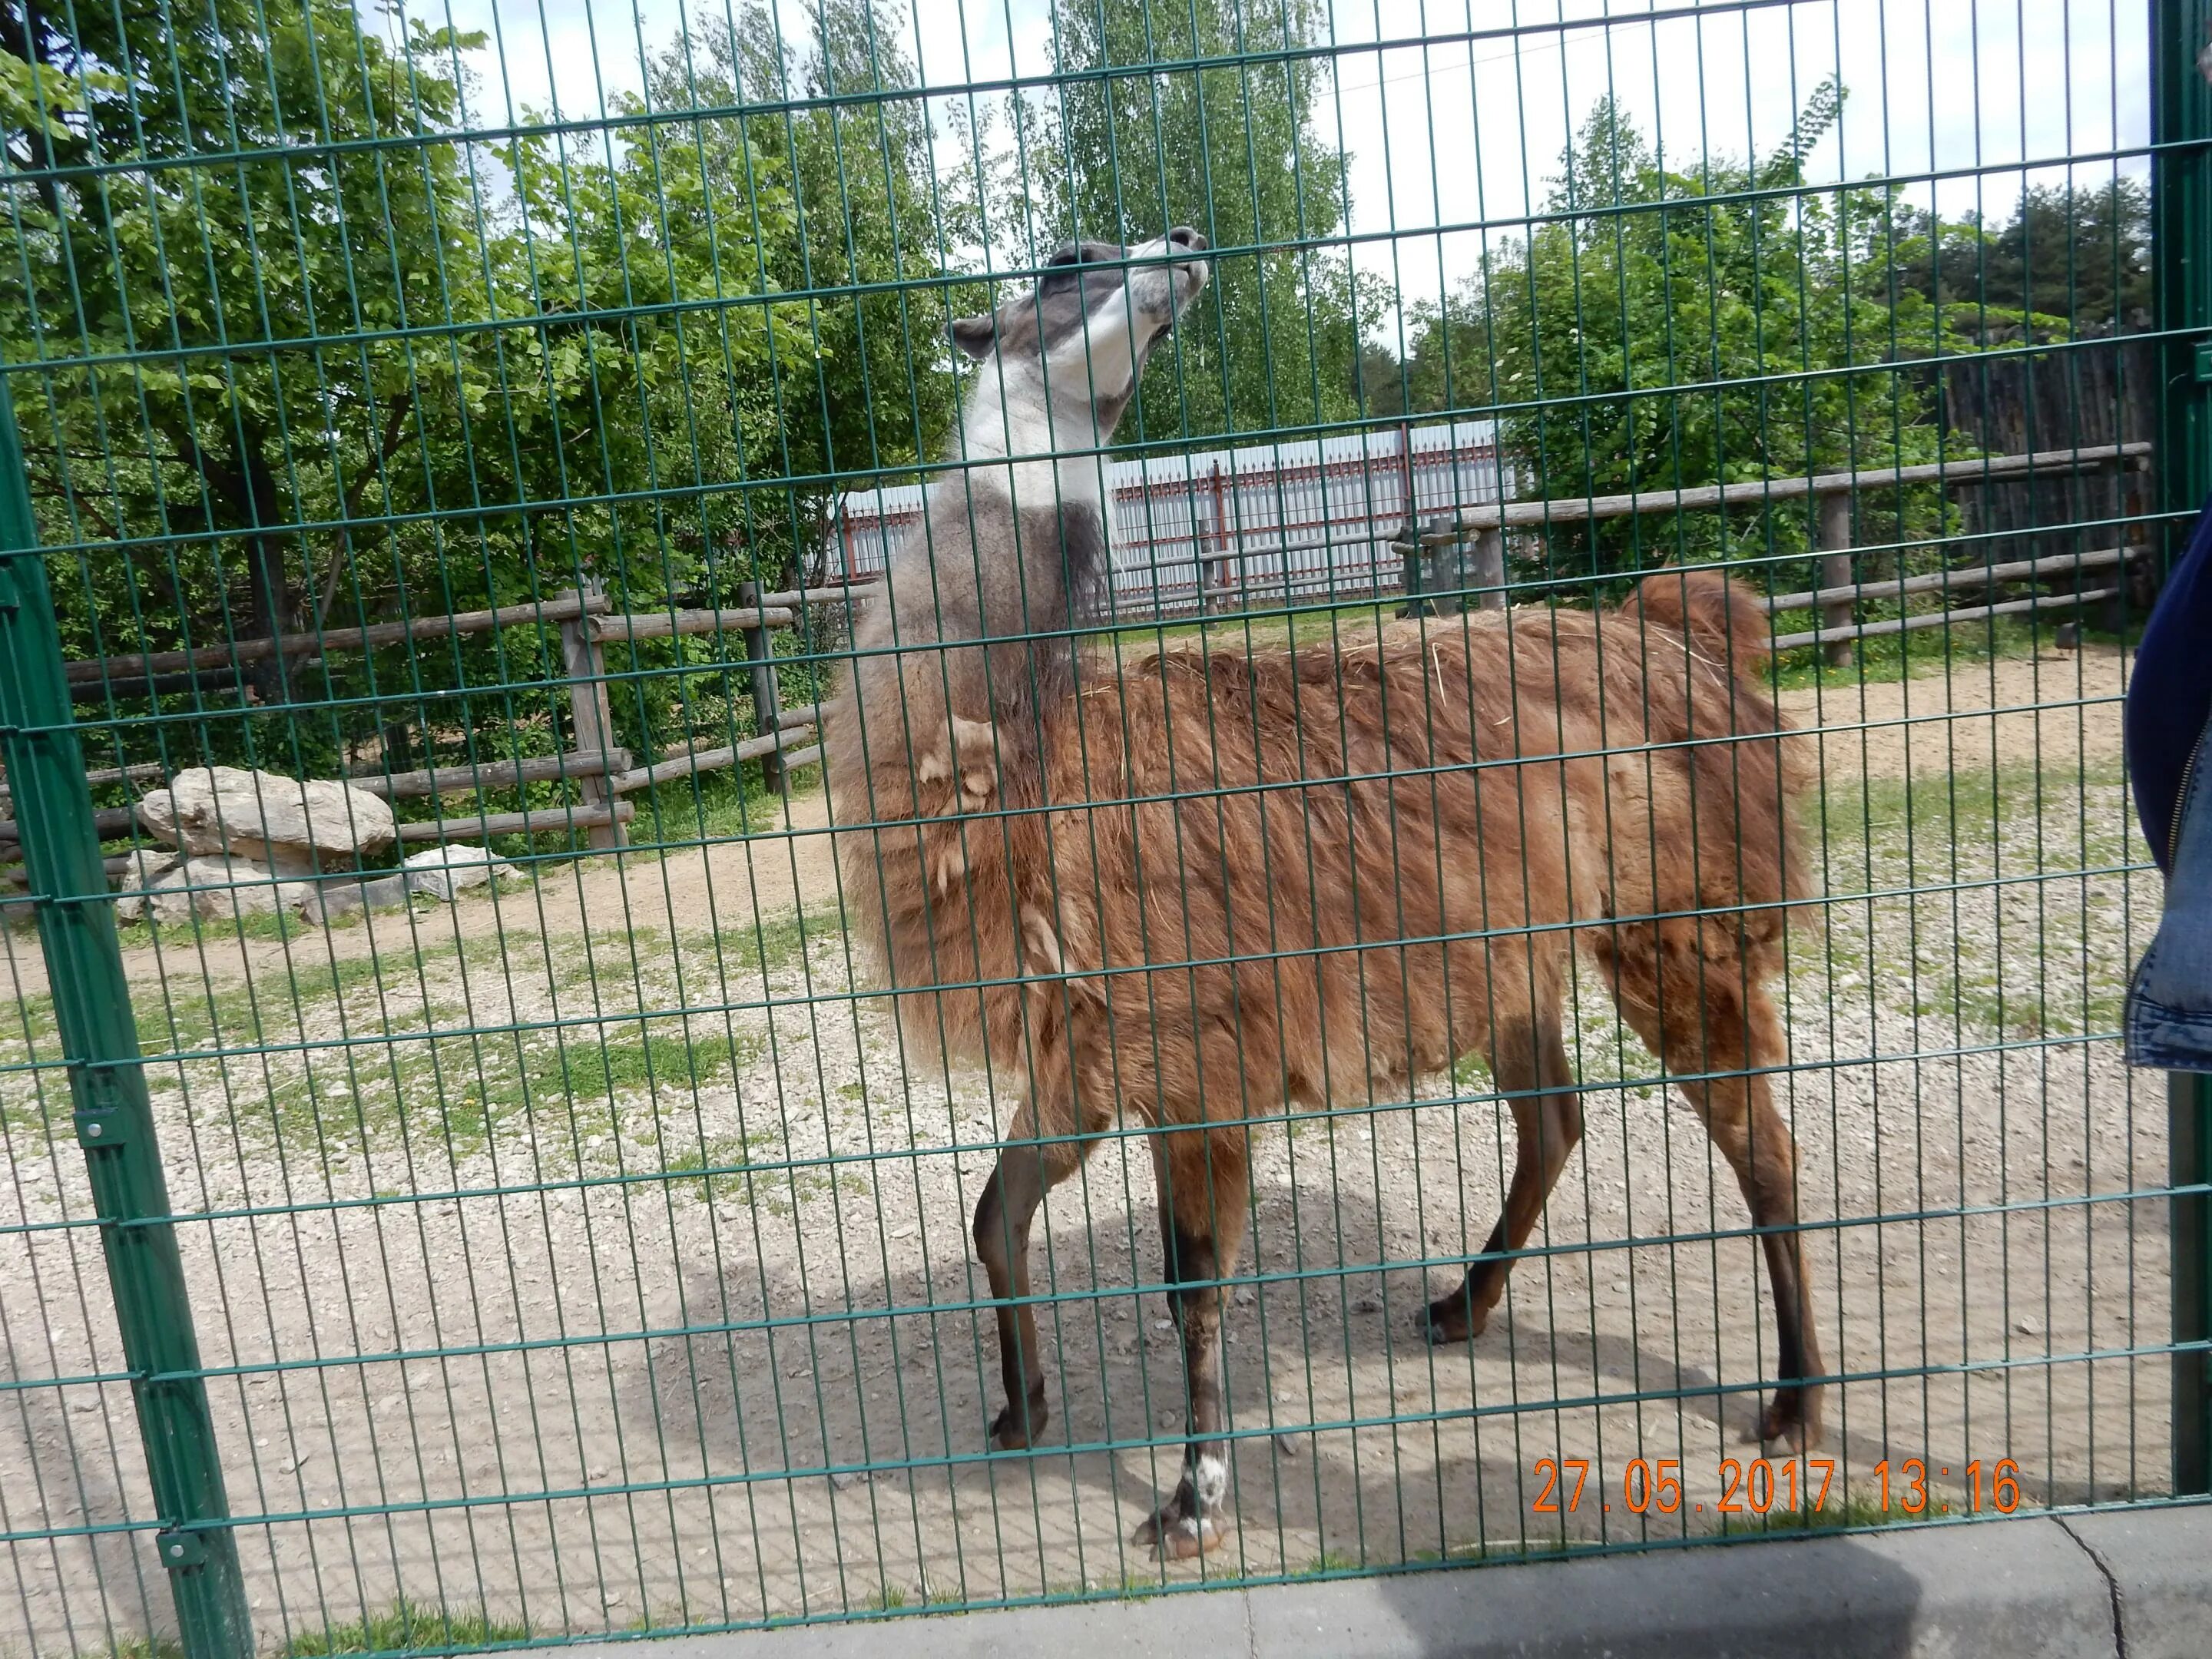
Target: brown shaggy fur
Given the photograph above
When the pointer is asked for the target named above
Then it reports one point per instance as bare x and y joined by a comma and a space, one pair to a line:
1217, 886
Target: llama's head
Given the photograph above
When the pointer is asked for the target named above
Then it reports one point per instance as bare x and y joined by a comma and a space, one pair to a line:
1062, 361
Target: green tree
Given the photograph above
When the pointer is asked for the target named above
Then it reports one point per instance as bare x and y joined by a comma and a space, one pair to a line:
2065, 263
369, 369
1662, 329
238, 402
1236, 152
871, 224
1378, 381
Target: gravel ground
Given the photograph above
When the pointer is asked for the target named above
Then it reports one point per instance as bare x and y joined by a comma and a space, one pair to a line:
660, 1400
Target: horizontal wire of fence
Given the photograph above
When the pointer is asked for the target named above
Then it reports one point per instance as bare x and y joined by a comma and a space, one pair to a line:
820, 808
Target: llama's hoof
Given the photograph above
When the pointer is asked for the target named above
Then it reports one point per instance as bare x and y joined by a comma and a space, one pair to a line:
1019, 1425
1173, 1533
1786, 1426
1453, 1318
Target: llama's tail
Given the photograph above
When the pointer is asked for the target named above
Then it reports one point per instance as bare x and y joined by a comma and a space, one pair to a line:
1746, 787
1719, 617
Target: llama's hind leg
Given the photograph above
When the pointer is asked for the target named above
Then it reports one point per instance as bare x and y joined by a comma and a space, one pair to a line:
1203, 1180
1528, 1061
1713, 1025
1003, 1216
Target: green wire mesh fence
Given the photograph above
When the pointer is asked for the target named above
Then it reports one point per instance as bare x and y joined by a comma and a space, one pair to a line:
668, 665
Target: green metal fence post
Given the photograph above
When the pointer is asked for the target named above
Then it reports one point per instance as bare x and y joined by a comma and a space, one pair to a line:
2181, 187
108, 1085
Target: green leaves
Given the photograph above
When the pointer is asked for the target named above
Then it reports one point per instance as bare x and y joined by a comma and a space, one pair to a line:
342, 378
1662, 329
1238, 153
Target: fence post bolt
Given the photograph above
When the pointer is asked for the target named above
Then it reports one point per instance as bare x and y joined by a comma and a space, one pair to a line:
584, 661
115, 1122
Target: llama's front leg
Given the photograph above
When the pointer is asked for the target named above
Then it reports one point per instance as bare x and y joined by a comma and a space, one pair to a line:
1038, 1158
1525, 1057
1003, 1215
1202, 1217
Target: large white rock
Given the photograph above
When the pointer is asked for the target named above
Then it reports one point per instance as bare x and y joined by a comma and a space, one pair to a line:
453, 868
222, 888
150, 867
284, 823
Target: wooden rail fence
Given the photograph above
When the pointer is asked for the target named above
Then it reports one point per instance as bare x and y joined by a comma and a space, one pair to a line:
1485, 525
604, 772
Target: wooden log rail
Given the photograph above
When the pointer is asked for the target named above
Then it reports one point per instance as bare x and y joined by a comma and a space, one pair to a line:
1958, 474
1939, 618
462, 778
779, 610
662, 624
1486, 525
537, 822
707, 760
144, 665
1965, 575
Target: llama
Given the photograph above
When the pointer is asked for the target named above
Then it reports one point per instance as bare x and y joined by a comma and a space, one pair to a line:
1201, 888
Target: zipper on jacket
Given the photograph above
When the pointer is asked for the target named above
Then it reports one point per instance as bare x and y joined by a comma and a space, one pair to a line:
2181, 800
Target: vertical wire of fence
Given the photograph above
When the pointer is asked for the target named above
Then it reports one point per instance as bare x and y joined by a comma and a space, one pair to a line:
821, 808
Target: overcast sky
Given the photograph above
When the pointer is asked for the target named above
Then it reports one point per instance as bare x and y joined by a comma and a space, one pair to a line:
1457, 132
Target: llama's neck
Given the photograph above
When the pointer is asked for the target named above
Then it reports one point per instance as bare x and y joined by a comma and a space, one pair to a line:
1011, 417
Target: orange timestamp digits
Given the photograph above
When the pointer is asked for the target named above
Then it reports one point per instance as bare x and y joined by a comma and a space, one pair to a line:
2003, 1489
1653, 1486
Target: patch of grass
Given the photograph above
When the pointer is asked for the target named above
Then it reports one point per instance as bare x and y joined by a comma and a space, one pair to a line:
1510, 1549
1132, 1587
467, 1085
888, 1599
1328, 1561
772, 943
138, 1647
405, 1628
180, 1019
728, 1157
1987, 946
1856, 1509
715, 807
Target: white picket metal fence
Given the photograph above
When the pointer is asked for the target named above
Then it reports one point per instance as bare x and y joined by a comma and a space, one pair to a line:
1228, 529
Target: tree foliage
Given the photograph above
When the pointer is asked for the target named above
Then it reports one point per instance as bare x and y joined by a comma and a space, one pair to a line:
2066, 263
1661, 329
1235, 151
368, 367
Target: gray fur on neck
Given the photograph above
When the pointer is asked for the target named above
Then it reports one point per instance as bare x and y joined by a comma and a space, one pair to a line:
1011, 556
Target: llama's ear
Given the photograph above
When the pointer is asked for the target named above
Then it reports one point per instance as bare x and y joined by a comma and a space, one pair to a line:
975, 335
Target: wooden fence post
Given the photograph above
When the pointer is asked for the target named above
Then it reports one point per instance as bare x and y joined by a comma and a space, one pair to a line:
590, 709
1487, 570
1416, 555
767, 701
1836, 568
1219, 598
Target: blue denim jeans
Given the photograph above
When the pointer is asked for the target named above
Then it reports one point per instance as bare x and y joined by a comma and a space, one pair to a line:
2169, 1010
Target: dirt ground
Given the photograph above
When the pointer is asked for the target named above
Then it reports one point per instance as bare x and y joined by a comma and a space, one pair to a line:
490, 1357
2060, 708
